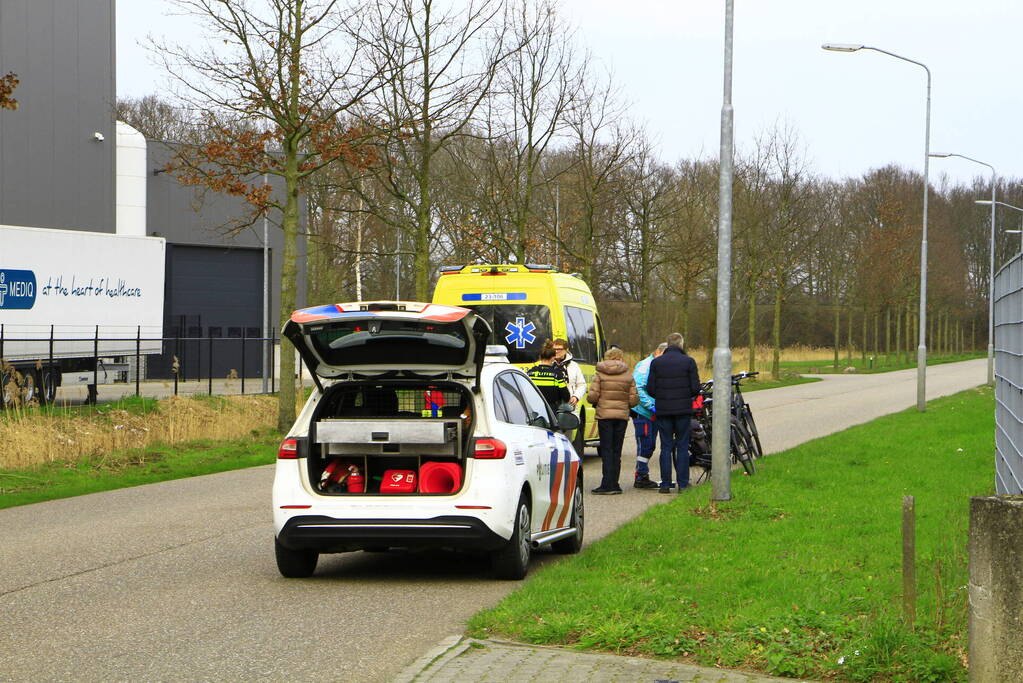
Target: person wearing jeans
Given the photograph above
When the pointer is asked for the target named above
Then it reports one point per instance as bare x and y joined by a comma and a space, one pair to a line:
643, 425
673, 382
612, 392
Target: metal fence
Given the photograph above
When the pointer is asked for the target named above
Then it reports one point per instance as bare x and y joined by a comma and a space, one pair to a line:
1008, 323
156, 366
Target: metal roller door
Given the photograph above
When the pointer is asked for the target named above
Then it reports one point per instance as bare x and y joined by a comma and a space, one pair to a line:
212, 292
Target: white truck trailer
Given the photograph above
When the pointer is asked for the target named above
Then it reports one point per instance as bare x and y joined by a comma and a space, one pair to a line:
75, 308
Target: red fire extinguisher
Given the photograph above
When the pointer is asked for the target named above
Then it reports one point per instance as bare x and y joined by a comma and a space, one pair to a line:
356, 482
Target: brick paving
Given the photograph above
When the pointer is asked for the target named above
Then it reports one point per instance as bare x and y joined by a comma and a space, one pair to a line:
489, 661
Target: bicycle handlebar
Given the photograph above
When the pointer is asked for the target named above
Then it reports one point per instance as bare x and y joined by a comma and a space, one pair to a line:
736, 379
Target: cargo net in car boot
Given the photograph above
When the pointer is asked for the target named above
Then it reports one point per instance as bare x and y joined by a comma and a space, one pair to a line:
398, 401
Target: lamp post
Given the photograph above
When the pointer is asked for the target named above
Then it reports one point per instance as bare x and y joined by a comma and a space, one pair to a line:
721, 482
921, 351
985, 202
1016, 232
991, 283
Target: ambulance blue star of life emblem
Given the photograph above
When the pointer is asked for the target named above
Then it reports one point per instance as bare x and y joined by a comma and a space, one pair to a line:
520, 333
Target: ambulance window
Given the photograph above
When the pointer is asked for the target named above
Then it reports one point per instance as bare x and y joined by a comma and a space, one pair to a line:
521, 328
582, 334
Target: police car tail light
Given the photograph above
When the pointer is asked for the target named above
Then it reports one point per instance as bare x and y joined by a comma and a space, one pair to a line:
288, 450
489, 449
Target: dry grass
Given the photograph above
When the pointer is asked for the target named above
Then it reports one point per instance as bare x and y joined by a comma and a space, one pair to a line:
29, 439
740, 355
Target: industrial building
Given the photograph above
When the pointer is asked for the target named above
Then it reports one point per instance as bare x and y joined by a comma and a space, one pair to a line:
66, 163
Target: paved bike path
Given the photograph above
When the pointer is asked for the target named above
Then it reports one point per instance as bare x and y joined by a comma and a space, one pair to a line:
789, 416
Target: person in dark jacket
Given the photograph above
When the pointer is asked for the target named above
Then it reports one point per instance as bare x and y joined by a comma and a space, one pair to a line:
673, 382
549, 378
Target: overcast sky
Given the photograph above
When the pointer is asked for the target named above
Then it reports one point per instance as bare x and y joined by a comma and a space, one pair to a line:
853, 111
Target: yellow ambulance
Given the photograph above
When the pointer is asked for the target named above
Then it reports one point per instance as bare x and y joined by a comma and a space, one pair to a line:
526, 304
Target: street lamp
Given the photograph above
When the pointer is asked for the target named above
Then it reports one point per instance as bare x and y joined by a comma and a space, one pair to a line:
991, 288
985, 202
921, 351
721, 483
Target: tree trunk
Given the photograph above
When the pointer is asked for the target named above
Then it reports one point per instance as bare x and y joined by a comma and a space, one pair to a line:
424, 206
776, 332
898, 334
360, 219
877, 333
930, 335
287, 395
849, 338
751, 326
866, 325
887, 330
838, 338
684, 322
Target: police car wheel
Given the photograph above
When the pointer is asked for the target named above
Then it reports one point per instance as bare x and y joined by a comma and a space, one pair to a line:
512, 560
295, 564
573, 544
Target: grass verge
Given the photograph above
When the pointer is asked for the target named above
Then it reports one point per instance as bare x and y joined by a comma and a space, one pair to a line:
132, 467
798, 575
31, 437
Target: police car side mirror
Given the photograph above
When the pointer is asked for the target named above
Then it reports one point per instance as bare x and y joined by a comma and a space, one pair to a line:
536, 420
567, 420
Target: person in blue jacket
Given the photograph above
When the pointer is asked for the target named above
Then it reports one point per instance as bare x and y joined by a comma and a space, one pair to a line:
673, 382
643, 423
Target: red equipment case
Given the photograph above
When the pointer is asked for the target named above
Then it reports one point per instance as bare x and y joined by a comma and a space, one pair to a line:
398, 481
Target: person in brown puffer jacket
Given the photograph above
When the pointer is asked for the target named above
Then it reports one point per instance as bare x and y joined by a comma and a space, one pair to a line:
613, 392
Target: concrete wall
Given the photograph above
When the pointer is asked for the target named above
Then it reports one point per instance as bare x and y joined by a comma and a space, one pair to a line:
53, 172
996, 589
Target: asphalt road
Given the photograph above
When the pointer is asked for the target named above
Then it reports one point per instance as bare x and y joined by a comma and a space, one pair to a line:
177, 580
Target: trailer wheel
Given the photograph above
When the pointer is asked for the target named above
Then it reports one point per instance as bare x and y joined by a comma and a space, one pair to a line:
29, 388
295, 564
8, 396
46, 381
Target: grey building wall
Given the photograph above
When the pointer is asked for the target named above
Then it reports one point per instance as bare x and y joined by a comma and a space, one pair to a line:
53, 172
186, 216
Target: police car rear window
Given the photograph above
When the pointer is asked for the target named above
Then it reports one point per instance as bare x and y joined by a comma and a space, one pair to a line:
379, 342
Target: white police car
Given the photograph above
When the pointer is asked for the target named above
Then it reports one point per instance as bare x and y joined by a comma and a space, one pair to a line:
415, 437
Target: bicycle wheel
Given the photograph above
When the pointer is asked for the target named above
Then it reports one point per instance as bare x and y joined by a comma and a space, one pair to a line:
751, 429
742, 448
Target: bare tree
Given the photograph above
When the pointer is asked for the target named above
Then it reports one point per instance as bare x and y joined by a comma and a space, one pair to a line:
651, 199
533, 90
159, 119
437, 67
267, 88
602, 139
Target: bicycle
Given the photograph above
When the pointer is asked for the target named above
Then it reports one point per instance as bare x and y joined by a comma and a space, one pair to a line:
742, 410
701, 434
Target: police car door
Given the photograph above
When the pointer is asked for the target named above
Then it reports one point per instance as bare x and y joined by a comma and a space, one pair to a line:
557, 464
